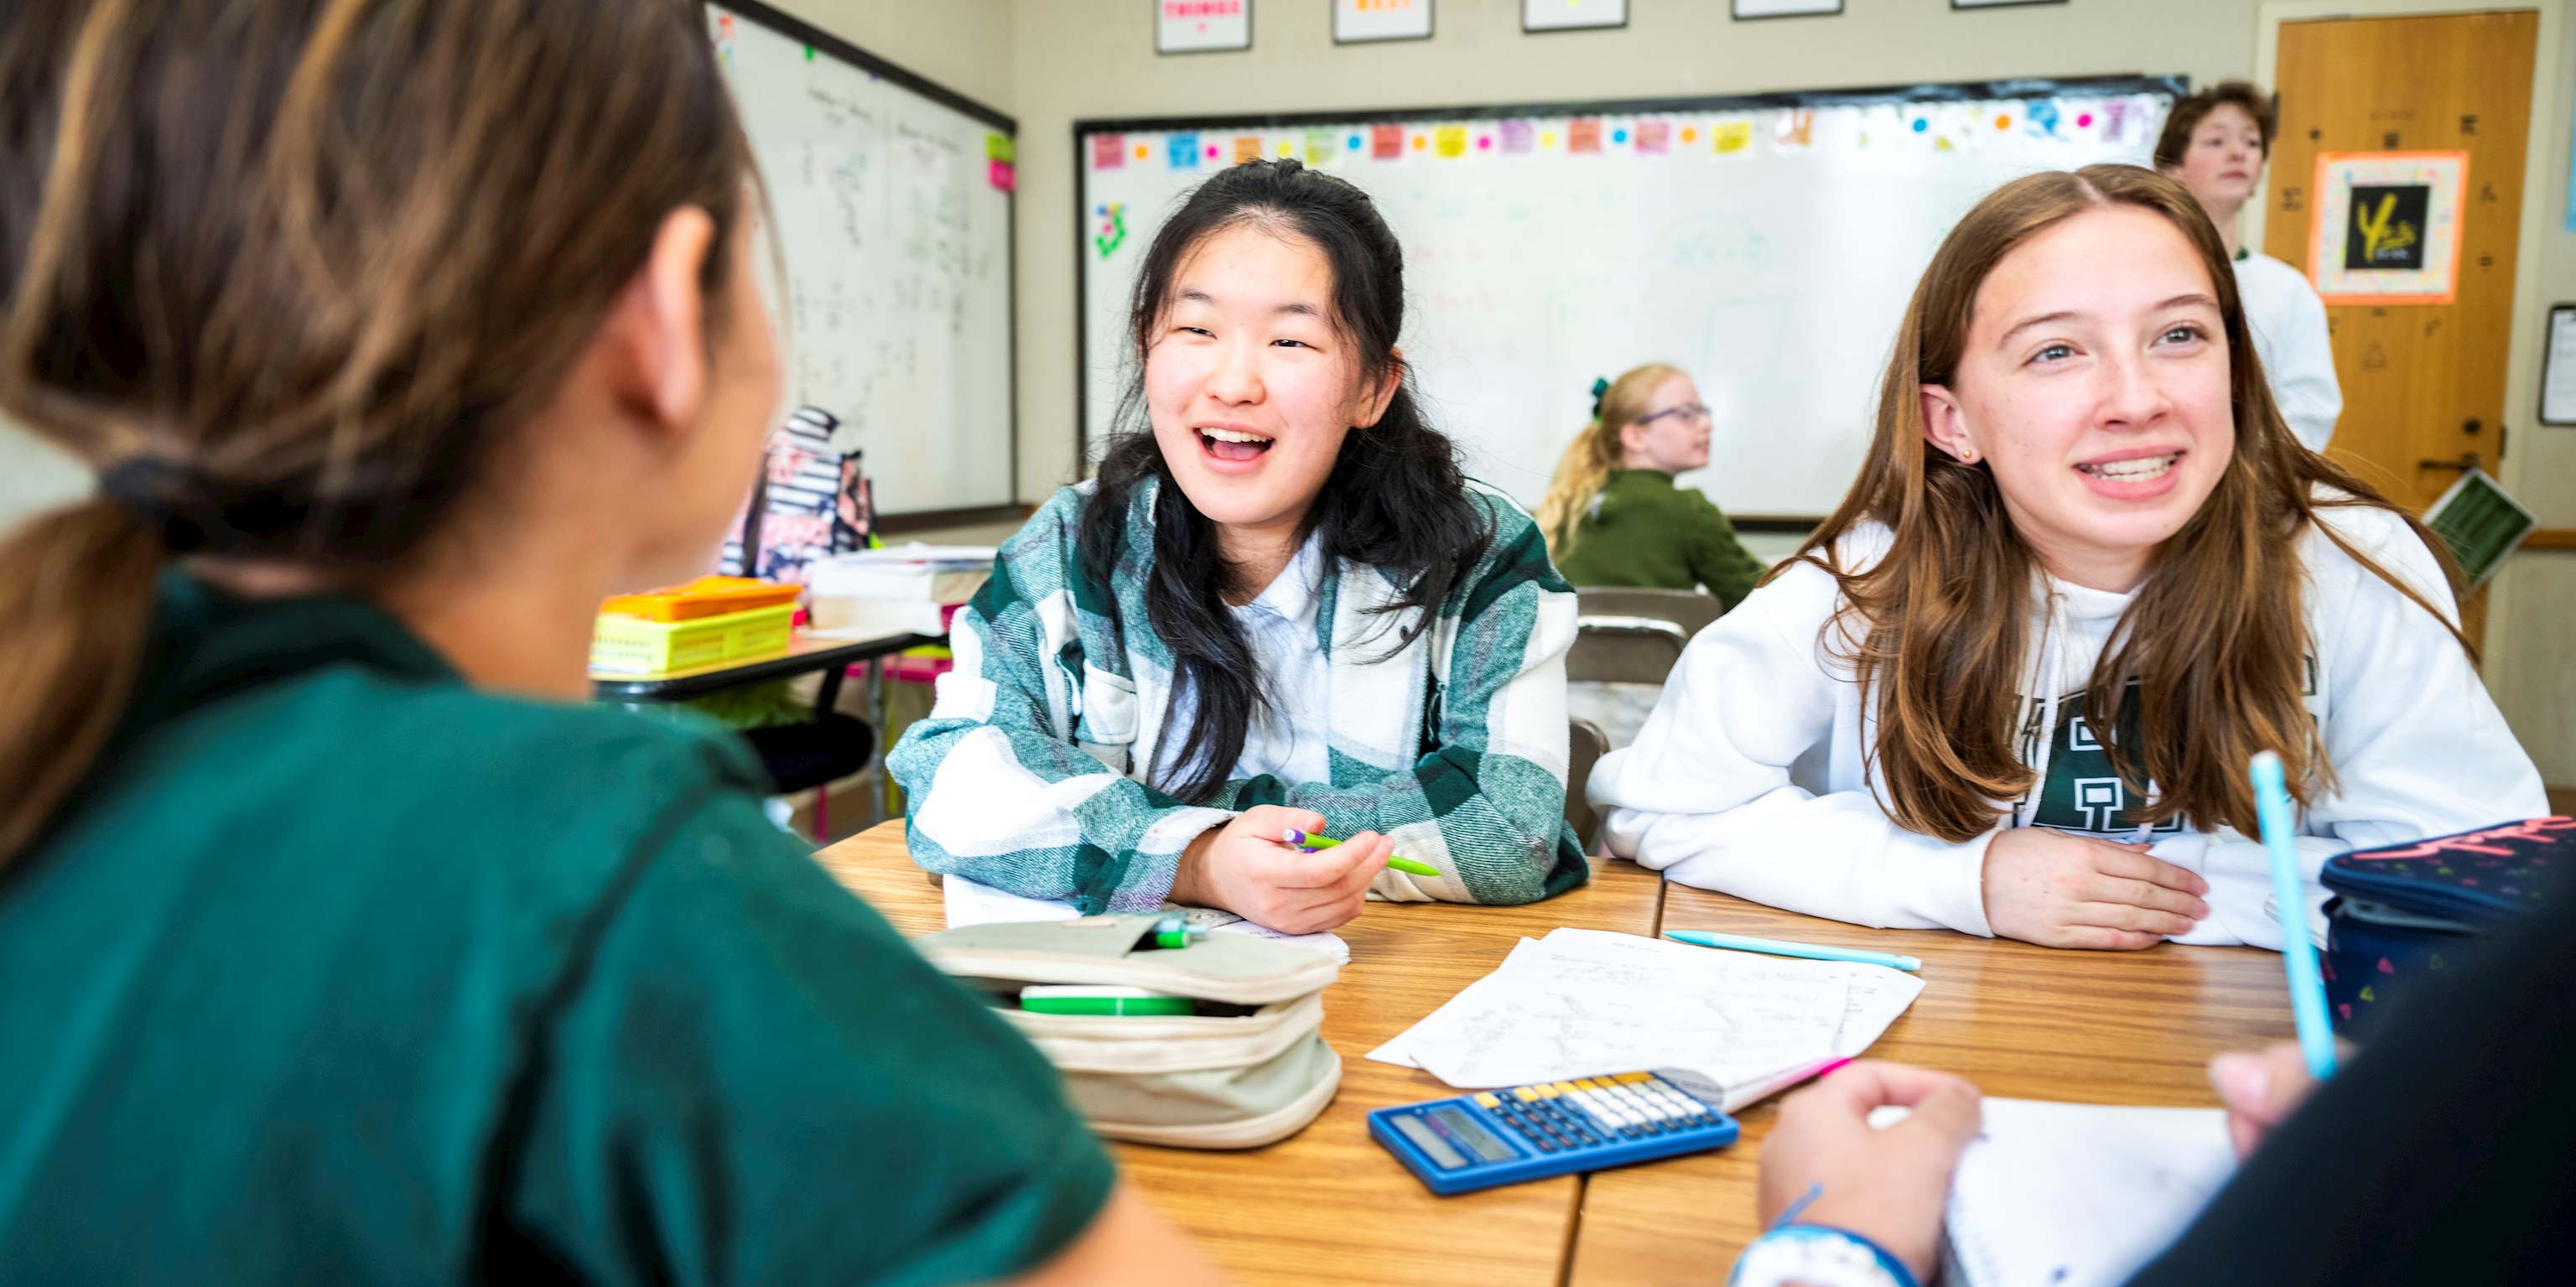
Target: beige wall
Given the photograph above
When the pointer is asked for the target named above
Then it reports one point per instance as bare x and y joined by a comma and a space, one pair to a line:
965, 45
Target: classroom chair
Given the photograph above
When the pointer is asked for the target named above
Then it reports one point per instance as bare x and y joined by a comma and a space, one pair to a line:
813, 754
1632, 635
1585, 745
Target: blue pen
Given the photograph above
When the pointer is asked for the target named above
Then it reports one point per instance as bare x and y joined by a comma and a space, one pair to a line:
2298, 952
1808, 951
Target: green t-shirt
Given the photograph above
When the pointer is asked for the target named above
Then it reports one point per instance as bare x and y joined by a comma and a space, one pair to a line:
1643, 531
338, 970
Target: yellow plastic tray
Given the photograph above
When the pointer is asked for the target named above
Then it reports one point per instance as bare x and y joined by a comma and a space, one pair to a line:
631, 646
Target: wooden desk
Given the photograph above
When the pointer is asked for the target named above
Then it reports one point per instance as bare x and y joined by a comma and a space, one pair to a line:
2020, 1021
1327, 1205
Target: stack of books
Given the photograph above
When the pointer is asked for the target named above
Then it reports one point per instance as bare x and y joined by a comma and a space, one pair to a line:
900, 589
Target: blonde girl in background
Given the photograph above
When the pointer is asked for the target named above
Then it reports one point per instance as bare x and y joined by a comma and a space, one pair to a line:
1612, 514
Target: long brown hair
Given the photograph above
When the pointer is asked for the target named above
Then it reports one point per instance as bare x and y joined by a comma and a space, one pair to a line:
283, 271
1595, 452
2216, 637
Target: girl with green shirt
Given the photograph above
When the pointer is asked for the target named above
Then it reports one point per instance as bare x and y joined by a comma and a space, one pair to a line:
344, 940
1612, 514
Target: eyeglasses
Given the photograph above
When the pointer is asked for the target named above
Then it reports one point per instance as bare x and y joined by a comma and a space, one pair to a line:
1690, 412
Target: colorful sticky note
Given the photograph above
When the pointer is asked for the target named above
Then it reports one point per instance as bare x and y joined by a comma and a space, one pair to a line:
1183, 151
1654, 136
1730, 137
1108, 151
998, 147
1452, 141
1002, 174
1583, 134
1320, 146
1517, 136
1386, 142
1247, 147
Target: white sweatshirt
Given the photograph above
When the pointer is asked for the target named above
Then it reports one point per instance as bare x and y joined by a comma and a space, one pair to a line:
1749, 776
2290, 335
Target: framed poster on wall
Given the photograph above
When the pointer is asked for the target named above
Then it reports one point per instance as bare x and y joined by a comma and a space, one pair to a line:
1359, 21
1201, 26
1784, 8
2388, 227
1572, 15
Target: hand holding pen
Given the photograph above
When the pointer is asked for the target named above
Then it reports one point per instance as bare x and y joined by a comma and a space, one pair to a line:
1248, 868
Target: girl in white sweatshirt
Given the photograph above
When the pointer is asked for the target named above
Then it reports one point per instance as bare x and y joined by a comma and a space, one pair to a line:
2080, 498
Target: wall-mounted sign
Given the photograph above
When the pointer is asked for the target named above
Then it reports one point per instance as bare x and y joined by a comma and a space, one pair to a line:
2387, 227
1201, 26
1355, 21
1572, 15
1784, 8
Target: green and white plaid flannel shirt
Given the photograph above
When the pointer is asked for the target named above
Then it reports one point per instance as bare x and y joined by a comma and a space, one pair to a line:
1027, 775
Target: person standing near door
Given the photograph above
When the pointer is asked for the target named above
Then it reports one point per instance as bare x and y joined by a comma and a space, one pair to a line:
2215, 143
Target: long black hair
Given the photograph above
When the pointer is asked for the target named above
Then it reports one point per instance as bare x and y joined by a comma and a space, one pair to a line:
1395, 501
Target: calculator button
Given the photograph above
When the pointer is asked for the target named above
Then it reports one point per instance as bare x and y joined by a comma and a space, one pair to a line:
1525, 1094
1487, 1099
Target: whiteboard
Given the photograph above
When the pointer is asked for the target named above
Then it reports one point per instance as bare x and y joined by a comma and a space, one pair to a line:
1767, 246
893, 202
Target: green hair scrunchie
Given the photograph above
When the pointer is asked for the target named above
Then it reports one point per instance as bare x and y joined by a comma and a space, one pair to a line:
1599, 387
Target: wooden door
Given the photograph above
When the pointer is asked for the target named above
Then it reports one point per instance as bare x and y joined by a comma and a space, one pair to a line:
2423, 384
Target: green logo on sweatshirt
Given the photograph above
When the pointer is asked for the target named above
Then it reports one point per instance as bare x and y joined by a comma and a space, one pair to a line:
2081, 791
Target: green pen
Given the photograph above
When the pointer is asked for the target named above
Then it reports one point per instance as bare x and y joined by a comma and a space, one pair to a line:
1079, 998
1312, 843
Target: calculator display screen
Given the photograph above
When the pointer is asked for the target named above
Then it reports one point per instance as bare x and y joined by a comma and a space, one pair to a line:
1462, 1128
1441, 1155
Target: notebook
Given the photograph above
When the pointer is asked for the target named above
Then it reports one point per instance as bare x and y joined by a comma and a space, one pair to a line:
2076, 1195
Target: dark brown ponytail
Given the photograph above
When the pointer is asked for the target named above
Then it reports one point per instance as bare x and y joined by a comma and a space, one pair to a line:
284, 271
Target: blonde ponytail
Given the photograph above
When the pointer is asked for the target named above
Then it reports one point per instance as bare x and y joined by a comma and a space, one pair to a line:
76, 590
1595, 451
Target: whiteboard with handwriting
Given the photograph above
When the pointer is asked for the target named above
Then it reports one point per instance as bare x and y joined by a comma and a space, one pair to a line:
894, 212
1767, 246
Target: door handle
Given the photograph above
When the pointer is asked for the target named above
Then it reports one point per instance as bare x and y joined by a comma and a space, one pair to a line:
2468, 460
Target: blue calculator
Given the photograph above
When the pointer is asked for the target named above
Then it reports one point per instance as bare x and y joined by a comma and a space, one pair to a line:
1532, 1132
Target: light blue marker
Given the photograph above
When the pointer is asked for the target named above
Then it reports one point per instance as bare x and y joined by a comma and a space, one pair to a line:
1806, 951
2298, 951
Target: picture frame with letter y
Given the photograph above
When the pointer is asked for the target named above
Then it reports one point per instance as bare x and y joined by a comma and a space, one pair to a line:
2387, 227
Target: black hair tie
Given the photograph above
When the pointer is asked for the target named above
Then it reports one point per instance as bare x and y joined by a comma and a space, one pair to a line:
192, 514
159, 492
1599, 387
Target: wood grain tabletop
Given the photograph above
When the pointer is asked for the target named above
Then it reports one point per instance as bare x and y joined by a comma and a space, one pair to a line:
1327, 1205
2020, 1021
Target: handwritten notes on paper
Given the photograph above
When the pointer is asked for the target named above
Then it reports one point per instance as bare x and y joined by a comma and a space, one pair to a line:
1582, 1003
